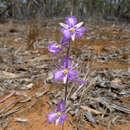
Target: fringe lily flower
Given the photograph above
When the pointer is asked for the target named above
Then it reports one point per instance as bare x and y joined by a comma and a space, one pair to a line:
59, 114
71, 29
66, 70
55, 47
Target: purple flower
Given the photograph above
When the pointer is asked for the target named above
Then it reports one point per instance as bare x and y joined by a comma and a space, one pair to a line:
55, 47
79, 81
72, 29
59, 114
66, 70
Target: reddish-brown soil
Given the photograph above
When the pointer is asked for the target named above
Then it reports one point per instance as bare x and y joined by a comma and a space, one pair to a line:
34, 111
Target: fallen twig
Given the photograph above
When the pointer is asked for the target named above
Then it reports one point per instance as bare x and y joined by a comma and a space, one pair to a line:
4, 99
8, 75
11, 111
112, 105
90, 109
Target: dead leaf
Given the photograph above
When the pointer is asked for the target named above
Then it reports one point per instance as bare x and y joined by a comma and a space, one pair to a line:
8, 75
42, 57
90, 109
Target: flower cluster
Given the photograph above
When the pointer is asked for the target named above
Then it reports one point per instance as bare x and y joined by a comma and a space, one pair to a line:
70, 30
66, 71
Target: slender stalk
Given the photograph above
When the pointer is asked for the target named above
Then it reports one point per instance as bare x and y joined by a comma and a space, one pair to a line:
68, 50
66, 85
63, 126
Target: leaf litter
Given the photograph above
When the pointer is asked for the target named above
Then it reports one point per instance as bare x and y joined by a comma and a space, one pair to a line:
27, 90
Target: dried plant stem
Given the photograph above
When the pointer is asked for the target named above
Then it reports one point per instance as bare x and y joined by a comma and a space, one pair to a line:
11, 94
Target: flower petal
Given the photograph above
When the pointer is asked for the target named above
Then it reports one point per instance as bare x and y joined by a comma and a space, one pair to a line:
57, 120
66, 33
62, 118
72, 74
61, 106
79, 81
51, 116
65, 79
71, 20
52, 47
57, 51
66, 61
79, 25
73, 37
58, 75
54, 53
64, 41
64, 25
80, 31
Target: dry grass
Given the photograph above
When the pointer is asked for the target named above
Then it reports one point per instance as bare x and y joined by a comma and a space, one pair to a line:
32, 34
